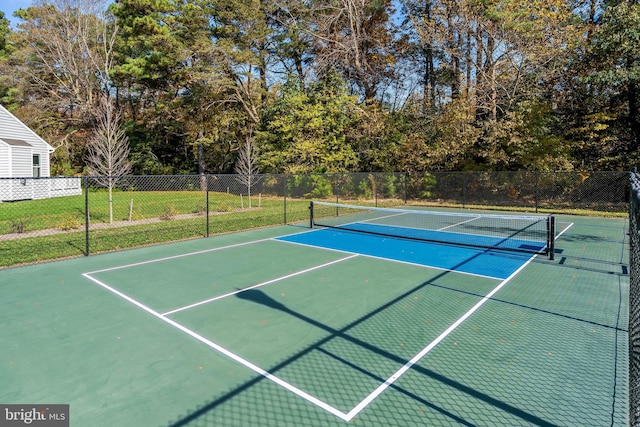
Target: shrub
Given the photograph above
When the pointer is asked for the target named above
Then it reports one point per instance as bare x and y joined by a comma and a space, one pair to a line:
201, 209
69, 223
19, 225
169, 213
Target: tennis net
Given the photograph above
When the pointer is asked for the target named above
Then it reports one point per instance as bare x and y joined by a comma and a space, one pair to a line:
520, 233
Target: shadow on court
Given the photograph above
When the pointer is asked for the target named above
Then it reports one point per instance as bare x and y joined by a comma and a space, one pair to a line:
259, 297
245, 392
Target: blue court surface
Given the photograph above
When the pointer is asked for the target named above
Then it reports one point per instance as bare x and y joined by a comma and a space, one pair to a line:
476, 261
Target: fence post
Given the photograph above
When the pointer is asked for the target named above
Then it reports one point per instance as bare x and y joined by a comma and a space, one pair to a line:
404, 183
375, 189
284, 185
86, 215
206, 182
464, 189
537, 181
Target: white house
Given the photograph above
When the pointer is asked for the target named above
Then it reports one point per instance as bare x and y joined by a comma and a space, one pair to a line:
25, 166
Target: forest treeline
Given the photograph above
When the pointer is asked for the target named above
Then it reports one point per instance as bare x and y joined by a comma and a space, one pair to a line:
293, 86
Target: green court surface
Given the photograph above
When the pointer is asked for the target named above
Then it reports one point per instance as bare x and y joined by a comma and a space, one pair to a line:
247, 330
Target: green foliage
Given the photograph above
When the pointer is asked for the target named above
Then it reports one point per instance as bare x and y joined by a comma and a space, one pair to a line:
618, 45
147, 49
69, 223
542, 86
321, 188
365, 190
388, 187
305, 129
615, 72
428, 182
169, 213
4, 35
526, 139
310, 186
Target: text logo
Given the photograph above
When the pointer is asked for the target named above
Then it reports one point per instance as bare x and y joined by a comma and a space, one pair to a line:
34, 415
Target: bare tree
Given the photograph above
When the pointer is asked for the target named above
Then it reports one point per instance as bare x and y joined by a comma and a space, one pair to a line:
68, 45
108, 153
357, 38
246, 166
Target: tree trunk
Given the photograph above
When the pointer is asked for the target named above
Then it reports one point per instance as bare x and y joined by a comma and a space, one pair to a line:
110, 200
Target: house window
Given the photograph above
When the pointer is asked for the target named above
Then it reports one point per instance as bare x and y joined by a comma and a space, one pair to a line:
36, 165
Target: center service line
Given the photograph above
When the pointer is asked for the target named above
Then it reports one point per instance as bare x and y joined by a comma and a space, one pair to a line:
400, 372
297, 273
293, 389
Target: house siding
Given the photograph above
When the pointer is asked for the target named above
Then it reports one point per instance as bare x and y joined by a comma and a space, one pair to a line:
45, 167
22, 162
12, 128
5, 164
18, 145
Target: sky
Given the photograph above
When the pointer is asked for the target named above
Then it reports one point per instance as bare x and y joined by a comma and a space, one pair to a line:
10, 6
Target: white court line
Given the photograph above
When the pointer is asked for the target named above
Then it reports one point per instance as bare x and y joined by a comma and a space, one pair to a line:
459, 223
204, 251
293, 389
400, 372
571, 224
187, 307
431, 229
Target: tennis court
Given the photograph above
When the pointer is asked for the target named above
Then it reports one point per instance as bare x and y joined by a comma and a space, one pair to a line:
331, 325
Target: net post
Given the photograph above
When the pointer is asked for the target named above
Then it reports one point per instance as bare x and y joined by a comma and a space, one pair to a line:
310, 214
551, 235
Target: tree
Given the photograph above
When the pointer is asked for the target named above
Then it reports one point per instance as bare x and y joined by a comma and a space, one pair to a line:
62, 55
616, 59
357, 38
246, 166
108, 152
306, 129
498, 53
293, 41
4, 35
7, 79
66, 49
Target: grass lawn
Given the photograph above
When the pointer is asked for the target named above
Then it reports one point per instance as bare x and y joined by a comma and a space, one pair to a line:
176, 215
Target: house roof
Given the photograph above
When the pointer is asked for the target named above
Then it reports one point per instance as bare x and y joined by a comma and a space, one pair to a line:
12, 130
15, 142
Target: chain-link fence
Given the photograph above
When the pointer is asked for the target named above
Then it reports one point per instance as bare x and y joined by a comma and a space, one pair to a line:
99, 214
50, 218
601, 191
634, 301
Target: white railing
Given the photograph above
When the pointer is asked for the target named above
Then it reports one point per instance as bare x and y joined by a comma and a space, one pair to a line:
12, 189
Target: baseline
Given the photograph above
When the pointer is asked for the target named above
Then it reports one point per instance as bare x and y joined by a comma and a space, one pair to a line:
279, 381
